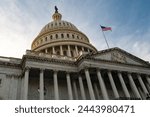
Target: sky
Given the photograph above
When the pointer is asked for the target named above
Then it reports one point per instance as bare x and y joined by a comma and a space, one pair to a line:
22, 20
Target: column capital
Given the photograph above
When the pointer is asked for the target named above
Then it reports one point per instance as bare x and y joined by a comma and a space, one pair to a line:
118, 71
98, 69
55, 70
109, 71
41, 70
27, 68
86, 68
67, 72
128, 72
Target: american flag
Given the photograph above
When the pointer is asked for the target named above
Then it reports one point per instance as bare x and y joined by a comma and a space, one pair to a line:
105, 28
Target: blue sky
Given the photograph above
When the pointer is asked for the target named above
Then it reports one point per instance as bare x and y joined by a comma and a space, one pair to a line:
22, 20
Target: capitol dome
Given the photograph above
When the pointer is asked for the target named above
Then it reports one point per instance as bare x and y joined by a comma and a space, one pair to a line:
62, 38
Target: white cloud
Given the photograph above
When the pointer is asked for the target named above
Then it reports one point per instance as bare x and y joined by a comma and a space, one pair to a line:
18, 28
15, 34
136, 45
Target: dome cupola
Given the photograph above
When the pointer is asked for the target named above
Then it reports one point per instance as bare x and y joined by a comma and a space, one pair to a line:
62, 38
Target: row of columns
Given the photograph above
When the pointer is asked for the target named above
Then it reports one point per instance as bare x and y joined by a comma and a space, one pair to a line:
115, 91
89, 84
68, 50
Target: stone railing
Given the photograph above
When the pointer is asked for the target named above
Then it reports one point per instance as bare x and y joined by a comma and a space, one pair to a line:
40, 54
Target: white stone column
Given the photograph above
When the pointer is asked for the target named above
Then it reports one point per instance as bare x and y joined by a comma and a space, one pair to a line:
83, 49
53, 50
46, 51
82, 88
116, 94
102, 85
26, 81
148, 79
88, 50
69, 51
96, 91
142, 84
133, 86
61, 50
12, 88
126, 92
15, 88
41, 84
77, 52
91, 92
148, 86
56, 90
75, 90
69, 86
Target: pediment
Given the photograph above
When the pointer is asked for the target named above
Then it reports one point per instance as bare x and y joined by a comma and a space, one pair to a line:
118, 55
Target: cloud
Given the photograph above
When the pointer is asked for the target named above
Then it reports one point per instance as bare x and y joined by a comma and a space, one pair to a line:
136, 45
21, 21
16, 33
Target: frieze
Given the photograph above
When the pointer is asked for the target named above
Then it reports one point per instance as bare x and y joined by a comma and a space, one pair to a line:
116, 56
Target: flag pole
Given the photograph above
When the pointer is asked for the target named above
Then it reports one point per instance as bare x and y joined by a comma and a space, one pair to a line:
105, 39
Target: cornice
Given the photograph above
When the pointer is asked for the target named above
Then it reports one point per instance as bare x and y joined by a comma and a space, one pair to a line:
110, 62
137, 59
10, 65
58, 30
48, 60
67, 40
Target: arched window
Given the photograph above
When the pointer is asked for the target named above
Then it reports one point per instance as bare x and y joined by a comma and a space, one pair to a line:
64, 23
67, 35
51, 36
73, 36
56, 36
56, 24
45, 38
77, 37
62, 35
41, 40
51, 25
59, 24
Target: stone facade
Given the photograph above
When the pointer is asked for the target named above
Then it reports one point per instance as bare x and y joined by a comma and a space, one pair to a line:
62, 64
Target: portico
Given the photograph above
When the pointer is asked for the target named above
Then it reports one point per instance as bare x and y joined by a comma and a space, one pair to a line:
88, 83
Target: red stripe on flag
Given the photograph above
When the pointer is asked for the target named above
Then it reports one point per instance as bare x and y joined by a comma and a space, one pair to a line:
105, 28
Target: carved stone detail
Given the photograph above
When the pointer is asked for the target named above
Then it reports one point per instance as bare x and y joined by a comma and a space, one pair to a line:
116, 56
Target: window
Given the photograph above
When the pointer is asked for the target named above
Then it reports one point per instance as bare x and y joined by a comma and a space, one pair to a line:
62, 35
67, 35
56, 36
41, 40
45, 38
73, 36
51, 37
65, 53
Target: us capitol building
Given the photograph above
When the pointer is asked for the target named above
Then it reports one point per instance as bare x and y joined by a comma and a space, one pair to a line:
63, 65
